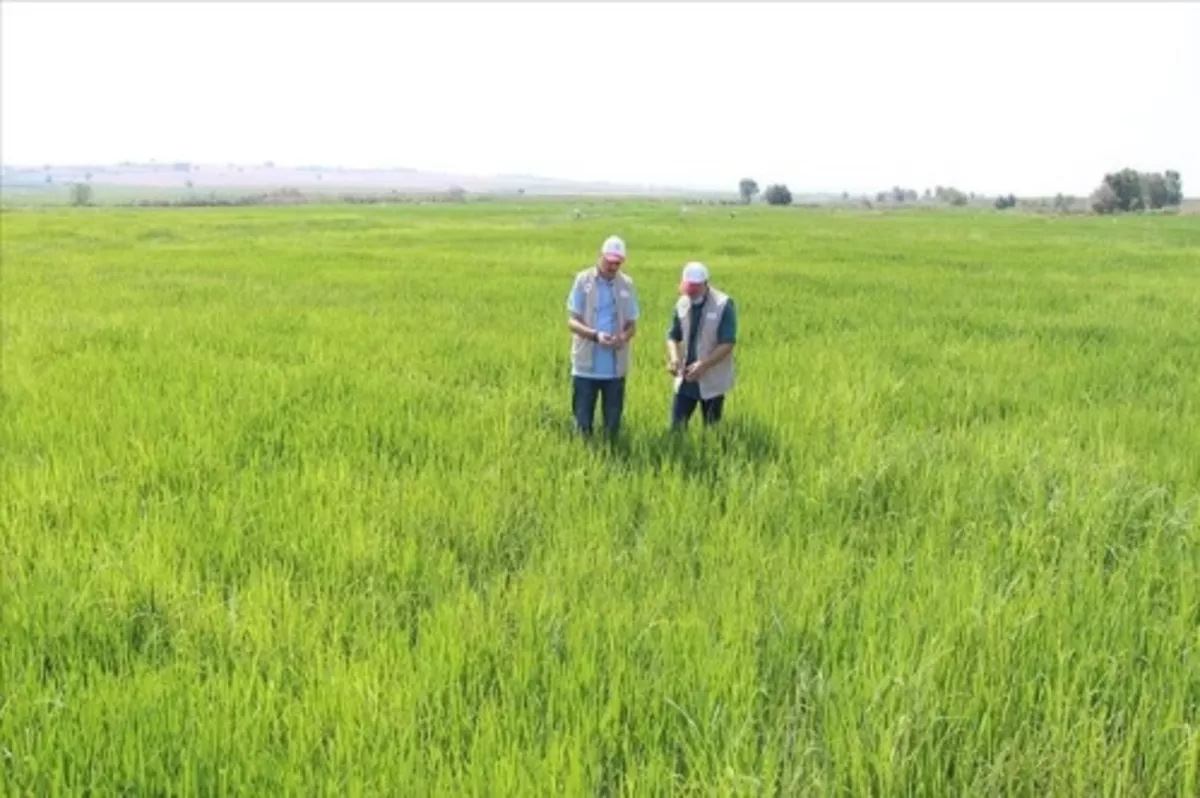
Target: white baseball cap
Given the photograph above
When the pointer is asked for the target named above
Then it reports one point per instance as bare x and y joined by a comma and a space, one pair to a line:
613, 250
694, 273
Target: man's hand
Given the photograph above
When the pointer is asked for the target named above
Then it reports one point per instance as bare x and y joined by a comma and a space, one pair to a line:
673, 366
695, 371
607, 340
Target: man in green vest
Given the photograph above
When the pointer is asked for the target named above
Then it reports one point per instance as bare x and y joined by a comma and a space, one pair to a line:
603, 312
700, 348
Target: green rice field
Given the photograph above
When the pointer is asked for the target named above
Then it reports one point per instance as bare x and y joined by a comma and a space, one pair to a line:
291, 505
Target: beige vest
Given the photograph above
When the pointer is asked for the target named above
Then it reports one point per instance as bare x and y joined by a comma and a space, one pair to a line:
583, 350
718, 380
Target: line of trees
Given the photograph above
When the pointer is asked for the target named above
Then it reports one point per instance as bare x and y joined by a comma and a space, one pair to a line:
1125, 191
748, 188
1130, 190
776, 194
951, 196
898, 195
779, 194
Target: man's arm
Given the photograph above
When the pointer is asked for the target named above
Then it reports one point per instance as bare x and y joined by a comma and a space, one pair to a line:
629, 331
674, 356
719, 353
630, 328
576, 325
575, 322
675, 345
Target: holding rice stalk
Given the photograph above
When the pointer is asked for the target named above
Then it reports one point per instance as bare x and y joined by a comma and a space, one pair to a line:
706, 320
603, 312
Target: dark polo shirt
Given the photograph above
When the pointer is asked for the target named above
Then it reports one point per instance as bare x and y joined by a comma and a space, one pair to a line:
726, 334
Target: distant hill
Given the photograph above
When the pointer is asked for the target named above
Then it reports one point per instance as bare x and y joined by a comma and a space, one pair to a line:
316, 178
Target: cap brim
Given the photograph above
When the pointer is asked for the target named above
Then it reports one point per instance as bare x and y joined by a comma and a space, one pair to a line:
614, 258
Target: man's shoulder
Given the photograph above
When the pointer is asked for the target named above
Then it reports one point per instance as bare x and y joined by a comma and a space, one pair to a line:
729, 313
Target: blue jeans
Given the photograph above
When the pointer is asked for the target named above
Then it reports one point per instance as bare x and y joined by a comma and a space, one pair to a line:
584, 393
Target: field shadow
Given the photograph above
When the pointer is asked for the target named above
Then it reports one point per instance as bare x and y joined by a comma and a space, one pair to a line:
737, 443
699, 454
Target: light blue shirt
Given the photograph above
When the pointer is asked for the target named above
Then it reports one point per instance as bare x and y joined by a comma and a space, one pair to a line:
604, 362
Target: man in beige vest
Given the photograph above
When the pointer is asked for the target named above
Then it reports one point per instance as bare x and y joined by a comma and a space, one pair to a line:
603, 312
700, 348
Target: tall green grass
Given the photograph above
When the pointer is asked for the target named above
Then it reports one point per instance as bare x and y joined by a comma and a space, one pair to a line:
291, 505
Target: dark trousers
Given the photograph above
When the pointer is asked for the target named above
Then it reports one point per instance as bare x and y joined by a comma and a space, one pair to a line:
685, 406
585, 392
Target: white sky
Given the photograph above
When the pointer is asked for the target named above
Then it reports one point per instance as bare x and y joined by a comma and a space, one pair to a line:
1022, 97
